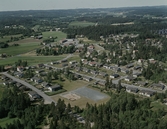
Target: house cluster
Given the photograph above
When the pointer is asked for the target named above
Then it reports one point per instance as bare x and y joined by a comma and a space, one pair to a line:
7, 82
147, 93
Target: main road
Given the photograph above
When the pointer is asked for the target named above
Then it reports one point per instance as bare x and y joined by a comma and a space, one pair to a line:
47, 99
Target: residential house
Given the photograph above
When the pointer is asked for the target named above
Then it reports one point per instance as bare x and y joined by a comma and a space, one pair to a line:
93, 72
106, 66
140, 60
62, 61
3, 77
38, 71
158, 86
64, 65
141, 83
18, 74
34, 95
116, 69
137, 67
147, 93
132, 90
18, 84
114, 76
129, 65
86, 70
45, 84
126, 71
36, 80
102, 83
77, 76
6, 83
40, 65
78, 69
54, 62
135, 75
103, 74
54, 88
73, 62
129, 78
20, 68
99, 65
92, 63
88, 79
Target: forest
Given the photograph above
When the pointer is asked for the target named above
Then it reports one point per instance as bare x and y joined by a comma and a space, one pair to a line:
123, 110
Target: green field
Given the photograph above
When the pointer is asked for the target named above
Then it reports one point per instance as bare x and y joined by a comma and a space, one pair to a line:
81, 23
31, 59
6, 38
60, 35
5, 121
22, 48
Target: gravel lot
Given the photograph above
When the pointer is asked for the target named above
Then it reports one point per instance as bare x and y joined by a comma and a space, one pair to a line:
90, 93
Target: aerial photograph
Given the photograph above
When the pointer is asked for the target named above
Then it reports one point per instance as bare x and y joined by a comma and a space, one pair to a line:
83, 64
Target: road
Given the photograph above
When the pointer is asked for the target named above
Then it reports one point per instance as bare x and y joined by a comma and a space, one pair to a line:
47, 99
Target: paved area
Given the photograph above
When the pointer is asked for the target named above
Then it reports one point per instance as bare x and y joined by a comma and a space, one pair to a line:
90, 93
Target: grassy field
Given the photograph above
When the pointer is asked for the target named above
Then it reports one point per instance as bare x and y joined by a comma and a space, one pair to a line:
5, 121
22, 48
60, 35
6, 38
81, 23
72, 85
31, 59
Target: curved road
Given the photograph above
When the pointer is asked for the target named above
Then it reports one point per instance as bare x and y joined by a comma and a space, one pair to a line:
47, 99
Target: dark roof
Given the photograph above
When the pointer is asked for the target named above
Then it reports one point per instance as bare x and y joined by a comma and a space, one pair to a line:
158, 85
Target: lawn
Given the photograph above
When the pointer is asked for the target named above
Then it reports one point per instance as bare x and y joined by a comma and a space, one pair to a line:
22, 48
6, 120
31, 59
6, 38
60, 35
81, 23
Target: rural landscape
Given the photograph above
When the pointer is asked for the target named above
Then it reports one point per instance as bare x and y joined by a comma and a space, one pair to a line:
100, 68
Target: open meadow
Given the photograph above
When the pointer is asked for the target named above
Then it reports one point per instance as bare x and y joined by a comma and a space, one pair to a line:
60, 35
31, 59
81, 23
6, 38
22, 48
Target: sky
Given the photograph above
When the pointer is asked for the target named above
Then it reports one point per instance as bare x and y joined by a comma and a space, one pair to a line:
13, 5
